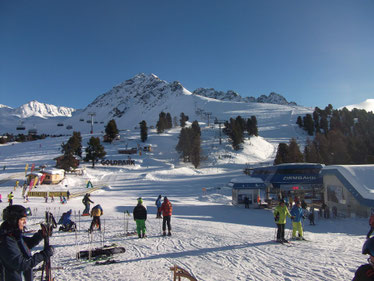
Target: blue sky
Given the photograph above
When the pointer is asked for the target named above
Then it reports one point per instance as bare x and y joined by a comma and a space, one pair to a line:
68, 52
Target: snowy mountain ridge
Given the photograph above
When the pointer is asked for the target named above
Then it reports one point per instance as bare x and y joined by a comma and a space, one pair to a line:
230, 95
37, 109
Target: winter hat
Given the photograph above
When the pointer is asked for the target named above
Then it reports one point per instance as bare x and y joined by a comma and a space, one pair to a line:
140, 200
13, 213
165, 198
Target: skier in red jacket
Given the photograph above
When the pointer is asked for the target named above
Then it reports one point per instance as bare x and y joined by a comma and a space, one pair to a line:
166, 209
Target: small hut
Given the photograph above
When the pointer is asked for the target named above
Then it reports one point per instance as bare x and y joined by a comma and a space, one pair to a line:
53, 176
253, 188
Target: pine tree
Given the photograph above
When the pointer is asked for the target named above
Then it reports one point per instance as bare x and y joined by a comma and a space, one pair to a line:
195, 150
299, 121
94, 151
294, 154
111, 131
309, 124
254, 128
183, 120
143, 131
281, 156
161, 123
311, 154
169, 121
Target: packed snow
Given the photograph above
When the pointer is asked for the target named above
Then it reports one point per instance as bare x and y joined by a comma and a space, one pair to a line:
211, 238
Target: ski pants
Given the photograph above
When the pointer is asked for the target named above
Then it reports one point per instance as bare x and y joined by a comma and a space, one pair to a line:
95, 221
86, 209
280, 232
166, 220
140, 227
159, 213
296, 226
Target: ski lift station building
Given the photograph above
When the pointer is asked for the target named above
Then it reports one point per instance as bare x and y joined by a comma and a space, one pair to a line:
349, 189
250, 187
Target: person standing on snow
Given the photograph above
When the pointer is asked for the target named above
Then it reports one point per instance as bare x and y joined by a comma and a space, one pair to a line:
86, 201
158, 204
16, 261
96, 213
280, 214
10, 198
297, 213
366, 271
166, 209
140, 216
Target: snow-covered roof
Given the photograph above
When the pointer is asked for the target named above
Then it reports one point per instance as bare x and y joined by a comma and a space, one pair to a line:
54, 171
247, 183
38, 174
358, 179
246, 179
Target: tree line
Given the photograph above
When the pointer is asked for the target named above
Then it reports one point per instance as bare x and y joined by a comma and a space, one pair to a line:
340, 137
235, 129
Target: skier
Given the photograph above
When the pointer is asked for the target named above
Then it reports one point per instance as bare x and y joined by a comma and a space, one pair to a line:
158, 204
66, 223
16, 261
297, 213
280, 214
10, 198
366, 271
166, 209
96, 213
371, 223
140, 216
1, 199
311, 216
86, 201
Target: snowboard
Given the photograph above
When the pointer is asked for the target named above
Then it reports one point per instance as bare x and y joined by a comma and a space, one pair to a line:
105, 251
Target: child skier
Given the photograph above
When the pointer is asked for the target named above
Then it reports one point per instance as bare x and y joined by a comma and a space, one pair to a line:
158, 204
280, 214
140, 216
297, 213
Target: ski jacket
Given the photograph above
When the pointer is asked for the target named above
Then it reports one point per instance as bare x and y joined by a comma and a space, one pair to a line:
15, 255
166, 208
297, 212
364, 273
65, 219
371, 220
281, 213
97, 211
86, 200
140, 212
158, 202
10, 196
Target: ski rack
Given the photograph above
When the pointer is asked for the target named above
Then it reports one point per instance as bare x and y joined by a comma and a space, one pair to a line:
180, 272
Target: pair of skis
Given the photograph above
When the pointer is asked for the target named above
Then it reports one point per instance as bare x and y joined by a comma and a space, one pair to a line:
47, 229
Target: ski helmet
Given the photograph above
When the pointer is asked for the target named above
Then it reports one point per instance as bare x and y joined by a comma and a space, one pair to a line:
140, 200
13, 213
368, 248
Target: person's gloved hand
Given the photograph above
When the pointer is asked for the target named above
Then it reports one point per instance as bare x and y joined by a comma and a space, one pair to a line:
44, 231
48, 252
276, 218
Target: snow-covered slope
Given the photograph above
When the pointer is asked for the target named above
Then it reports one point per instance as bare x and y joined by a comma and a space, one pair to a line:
368, 105
211, 238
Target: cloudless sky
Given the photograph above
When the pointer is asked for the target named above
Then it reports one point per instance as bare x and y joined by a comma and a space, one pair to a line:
69, 52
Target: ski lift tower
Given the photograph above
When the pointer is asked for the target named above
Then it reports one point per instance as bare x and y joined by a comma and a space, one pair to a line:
219, 122
92, 114
208, 114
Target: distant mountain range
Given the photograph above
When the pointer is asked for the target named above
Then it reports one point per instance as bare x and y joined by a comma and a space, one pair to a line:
143, 97
36, 109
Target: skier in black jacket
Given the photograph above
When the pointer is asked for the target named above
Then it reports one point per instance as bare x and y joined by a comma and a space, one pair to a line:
15, 255
140, 216
366, 271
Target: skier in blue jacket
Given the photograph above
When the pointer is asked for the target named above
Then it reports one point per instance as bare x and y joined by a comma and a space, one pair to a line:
297, 213
158, 204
